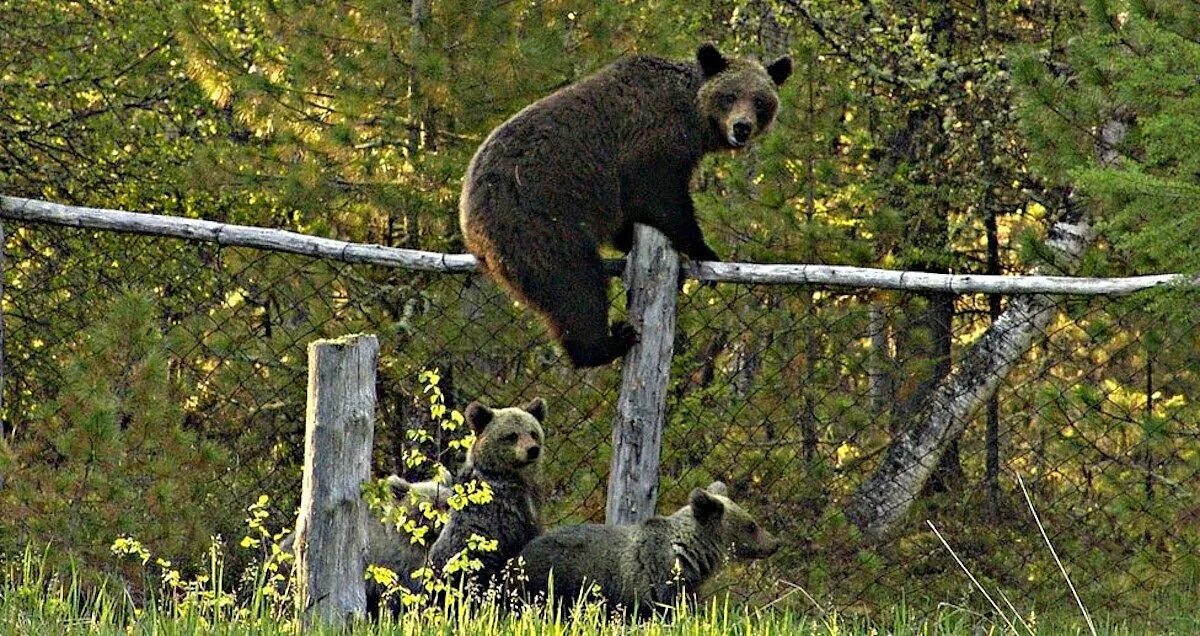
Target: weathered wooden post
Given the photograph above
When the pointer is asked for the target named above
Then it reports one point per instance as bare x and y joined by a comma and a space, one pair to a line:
331, 535
652, 278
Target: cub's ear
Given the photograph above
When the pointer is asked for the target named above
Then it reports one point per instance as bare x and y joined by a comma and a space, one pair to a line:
536, 408
479, 416
718, 488
711, 60
705, 507
780, 70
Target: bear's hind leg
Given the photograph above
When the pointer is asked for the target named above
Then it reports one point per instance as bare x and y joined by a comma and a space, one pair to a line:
594, 352
624, 238
582, 324
574, 301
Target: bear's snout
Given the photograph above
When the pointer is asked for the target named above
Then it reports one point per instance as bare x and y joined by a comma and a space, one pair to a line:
767, 544
741, 131
533, 452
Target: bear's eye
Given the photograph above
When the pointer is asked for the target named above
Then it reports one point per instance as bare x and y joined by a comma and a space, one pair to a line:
760, 104
751, 527
511, 437
726, 100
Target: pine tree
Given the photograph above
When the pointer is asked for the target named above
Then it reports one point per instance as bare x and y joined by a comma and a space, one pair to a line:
1141, 58
110, 455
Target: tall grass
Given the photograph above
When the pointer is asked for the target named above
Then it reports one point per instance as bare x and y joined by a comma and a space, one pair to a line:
38, 599
35, 600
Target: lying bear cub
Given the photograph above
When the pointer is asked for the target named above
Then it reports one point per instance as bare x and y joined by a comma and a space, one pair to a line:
647, 567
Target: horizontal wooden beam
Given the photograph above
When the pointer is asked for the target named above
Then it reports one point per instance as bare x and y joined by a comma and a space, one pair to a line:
839, 276
871, 277
231, 235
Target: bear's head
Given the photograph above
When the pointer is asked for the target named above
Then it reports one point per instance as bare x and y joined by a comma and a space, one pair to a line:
739, 96
729, 525
508, 440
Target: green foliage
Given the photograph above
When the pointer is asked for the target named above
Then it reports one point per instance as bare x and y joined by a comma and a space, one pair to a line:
37, 598
1137, 62
110, 455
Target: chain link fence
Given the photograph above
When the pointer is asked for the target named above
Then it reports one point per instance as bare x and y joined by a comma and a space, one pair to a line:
790, 394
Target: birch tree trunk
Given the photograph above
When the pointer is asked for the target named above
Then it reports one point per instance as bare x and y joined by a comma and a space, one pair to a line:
886, 496
879, 380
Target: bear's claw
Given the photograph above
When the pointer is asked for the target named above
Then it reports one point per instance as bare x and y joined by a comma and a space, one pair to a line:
624, 335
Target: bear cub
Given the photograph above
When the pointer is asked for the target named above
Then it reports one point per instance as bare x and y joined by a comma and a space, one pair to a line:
506, 455
578, 168
648, 566
395, 549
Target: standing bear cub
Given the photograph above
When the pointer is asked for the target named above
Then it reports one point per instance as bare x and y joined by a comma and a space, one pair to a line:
578, 168
506, 456
644, 567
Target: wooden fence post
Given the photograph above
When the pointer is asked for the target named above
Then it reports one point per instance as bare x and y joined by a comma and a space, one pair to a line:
652, 278
331, 532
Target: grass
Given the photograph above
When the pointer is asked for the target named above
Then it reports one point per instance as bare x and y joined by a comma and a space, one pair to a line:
152, 597
34, 600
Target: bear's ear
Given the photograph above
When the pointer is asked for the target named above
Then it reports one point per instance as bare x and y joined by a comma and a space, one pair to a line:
705, 507
780, 70
718, 488
711, 60
479, 416
536, 408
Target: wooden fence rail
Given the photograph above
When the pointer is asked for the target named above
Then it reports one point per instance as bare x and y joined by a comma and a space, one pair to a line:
653, 273
34, 211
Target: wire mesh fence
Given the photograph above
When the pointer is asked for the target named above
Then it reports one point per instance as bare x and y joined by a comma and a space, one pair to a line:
790, 394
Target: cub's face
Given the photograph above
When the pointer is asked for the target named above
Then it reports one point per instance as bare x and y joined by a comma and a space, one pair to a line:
739, 97
730, 524
506, 440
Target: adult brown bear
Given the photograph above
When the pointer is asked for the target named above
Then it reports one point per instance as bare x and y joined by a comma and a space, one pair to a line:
578, 168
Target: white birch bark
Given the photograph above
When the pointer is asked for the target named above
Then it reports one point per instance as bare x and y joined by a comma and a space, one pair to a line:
886, 496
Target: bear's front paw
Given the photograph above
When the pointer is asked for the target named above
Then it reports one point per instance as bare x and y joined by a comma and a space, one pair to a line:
703, 253
624, 335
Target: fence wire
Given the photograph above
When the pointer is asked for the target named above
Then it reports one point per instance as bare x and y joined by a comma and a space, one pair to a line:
789, 394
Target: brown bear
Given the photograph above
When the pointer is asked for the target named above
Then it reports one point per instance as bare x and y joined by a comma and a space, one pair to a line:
578, 168
646, 567
506, 455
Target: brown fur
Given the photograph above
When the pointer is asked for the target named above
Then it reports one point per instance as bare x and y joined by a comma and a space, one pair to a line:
645, 567
507, 456
578, 168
